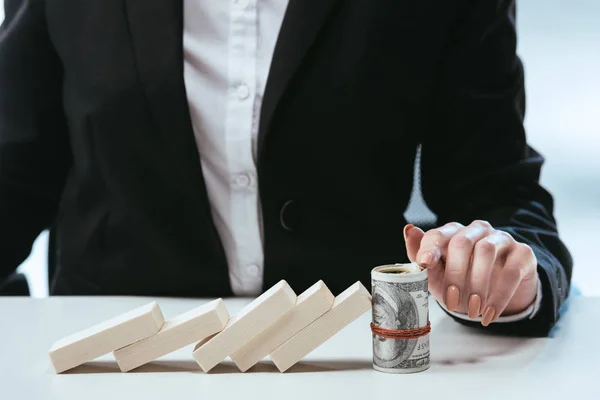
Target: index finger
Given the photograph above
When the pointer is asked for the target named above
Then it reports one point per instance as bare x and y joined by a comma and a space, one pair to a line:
435, 243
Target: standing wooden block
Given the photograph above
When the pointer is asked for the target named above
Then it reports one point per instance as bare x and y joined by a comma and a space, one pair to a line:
105, 337
176, 333
348, 305
311, 304
252, 320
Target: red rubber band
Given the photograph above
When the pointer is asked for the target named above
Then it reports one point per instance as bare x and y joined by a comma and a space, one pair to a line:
402, 333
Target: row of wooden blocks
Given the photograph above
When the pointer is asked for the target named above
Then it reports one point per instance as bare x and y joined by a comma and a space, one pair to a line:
277, 324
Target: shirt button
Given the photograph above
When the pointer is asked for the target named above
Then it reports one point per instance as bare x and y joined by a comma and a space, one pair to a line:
253, 270
242, 180
243, 91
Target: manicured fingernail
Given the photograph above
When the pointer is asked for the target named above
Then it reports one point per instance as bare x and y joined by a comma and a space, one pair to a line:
488, 316
452, 297
474, 305
406, 229
426, 259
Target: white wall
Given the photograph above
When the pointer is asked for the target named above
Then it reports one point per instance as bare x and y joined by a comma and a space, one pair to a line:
560, 46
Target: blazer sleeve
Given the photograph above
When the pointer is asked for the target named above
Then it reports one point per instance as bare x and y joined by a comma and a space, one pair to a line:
475, 160
34, 148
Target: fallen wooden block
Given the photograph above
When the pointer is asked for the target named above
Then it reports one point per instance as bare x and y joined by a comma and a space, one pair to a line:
311, 304
252, 320
176, 333
348, 305
105, 337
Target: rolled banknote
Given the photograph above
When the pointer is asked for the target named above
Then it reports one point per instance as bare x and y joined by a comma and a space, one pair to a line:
400, 314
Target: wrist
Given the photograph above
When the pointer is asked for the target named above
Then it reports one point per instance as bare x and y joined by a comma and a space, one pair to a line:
524, 296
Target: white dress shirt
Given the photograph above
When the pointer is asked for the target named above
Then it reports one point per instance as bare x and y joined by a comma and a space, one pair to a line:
228, 47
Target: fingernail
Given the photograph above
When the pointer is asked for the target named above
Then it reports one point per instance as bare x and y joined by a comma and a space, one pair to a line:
488, 316
474, 305
406, 229
452, 297
426, 259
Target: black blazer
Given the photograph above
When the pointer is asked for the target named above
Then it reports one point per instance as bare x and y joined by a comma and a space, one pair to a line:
96, 138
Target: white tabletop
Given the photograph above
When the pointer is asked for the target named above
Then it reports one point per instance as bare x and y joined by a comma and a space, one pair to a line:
465, 364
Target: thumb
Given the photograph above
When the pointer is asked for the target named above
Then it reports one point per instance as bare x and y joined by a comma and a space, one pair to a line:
412, 238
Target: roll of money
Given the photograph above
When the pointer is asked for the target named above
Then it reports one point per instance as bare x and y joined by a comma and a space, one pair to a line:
400, 303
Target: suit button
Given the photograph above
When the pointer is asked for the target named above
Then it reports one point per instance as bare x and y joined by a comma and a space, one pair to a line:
286, 215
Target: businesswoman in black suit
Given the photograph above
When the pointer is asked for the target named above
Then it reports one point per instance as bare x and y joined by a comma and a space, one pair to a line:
100, 138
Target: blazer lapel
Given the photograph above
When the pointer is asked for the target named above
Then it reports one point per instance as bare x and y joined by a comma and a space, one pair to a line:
157, 35
301, 25
156, 31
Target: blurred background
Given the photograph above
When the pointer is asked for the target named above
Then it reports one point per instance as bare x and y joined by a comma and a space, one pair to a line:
559, 43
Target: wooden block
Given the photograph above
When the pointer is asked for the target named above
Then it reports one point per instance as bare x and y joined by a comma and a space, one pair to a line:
311, 304
176, 333
348, 305
105, 337
252, 320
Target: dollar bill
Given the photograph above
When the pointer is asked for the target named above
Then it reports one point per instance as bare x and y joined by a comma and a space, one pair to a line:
400, 301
